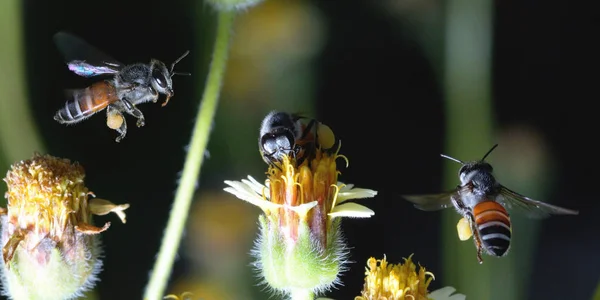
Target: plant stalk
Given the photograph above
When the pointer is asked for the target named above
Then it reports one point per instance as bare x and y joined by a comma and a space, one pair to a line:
193, 162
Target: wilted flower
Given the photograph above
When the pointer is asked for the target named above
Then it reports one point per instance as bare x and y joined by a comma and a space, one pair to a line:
300, 247
385, 281
50, 247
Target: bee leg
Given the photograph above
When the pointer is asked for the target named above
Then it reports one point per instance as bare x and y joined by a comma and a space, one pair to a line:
122, 130
134, 111
469, 216
113, 112
476, 238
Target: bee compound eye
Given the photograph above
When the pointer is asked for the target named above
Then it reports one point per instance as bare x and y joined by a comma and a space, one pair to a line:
159, 77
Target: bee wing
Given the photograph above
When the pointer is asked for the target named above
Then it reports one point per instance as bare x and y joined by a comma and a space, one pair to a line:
432, 202
84, 59
531, 208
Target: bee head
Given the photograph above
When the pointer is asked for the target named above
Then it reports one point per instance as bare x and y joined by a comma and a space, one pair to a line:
468, 169
278, 134
161, 79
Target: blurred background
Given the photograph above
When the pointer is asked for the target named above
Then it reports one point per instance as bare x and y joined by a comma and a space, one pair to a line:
399, 82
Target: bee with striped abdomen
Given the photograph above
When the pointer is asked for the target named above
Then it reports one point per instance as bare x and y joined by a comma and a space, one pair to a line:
129, 85
283, 133
483, 203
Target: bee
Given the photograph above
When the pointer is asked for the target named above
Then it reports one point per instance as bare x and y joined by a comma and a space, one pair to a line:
283, 133
482, 201
128, 86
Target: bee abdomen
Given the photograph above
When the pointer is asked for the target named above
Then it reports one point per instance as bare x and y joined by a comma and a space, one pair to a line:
494, 226
86, 102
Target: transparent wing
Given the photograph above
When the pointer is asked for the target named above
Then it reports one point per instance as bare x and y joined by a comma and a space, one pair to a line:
84, 59
432, 202
529, 207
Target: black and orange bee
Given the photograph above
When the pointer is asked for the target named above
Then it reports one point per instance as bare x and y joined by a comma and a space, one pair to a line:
483, 203
128, 86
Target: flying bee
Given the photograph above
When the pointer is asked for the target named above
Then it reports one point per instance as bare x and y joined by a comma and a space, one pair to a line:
128, 86
288, 134
482, 201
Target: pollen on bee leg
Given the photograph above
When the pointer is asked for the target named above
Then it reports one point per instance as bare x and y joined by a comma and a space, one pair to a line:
326, 137
114, 120
103, 207
464, 229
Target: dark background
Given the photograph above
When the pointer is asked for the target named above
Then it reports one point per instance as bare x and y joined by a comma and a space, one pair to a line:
374, 87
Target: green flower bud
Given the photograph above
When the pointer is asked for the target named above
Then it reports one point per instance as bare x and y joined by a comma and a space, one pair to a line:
300, 249
50, 247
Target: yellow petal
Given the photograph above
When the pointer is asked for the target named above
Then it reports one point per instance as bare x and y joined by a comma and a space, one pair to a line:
464, 229
351, 210
102, 207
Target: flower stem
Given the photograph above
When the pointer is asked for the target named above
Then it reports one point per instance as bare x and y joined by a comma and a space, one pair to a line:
302, 294
15, 112
469, 131
183, 198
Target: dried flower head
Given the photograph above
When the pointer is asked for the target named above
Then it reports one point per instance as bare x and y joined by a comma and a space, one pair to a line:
50, 247
300, 246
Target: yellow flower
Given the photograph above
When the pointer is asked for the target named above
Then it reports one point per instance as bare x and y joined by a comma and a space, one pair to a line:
50, 246
385, 281
300, 245
395, 281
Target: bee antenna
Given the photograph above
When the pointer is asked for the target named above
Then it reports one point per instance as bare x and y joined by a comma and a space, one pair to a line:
177, 60
452, 158
181, 74
490, 151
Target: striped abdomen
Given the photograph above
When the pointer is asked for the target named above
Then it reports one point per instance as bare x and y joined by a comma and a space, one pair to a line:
86, 102
493, 224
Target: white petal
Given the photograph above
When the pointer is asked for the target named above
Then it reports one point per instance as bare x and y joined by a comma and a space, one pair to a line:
303, 209
351, 210
257, 188
246, 193
357, 193
446, 293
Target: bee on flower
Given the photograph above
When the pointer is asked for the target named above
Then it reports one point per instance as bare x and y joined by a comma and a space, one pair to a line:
50, 246
300, 249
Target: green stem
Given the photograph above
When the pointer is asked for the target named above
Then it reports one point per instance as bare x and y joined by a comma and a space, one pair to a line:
19, 137
183, 198
469, 133
302, 294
